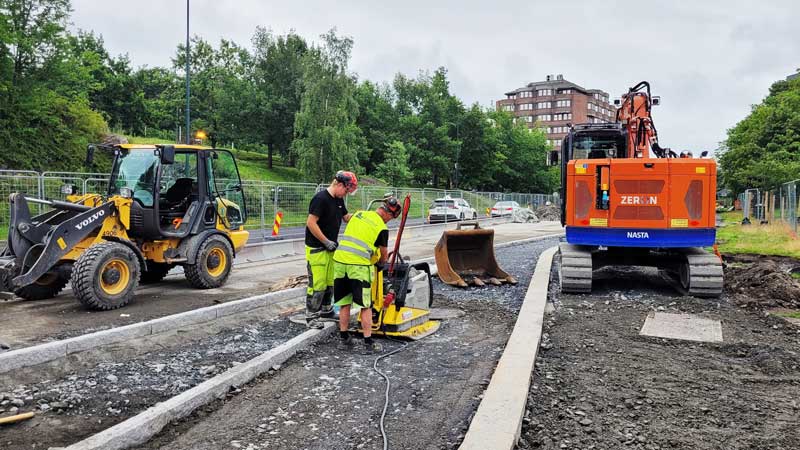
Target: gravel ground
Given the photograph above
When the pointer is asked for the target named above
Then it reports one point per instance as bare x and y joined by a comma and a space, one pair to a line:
326, 398
82, 403
598, 384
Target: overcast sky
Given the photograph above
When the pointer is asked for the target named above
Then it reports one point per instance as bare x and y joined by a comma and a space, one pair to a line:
708, 60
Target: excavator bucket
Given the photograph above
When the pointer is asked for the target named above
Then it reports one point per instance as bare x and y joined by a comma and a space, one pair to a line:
465, 257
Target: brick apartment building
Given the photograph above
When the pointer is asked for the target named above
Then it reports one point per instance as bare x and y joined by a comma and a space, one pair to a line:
556, 102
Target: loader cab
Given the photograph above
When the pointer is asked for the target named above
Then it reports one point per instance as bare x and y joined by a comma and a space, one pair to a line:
178, 190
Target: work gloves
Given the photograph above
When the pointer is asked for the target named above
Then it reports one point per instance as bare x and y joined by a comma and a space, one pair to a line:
330, 245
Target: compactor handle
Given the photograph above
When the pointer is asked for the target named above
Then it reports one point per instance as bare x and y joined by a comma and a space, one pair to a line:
473, 223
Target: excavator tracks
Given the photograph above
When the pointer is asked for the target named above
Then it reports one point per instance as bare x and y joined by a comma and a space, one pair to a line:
576, 268
701, 275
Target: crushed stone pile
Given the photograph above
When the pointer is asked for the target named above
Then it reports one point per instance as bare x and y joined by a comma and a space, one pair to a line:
549, 213
762, 284
524, 215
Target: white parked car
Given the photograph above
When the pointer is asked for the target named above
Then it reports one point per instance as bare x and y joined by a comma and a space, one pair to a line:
501, 209
450, 210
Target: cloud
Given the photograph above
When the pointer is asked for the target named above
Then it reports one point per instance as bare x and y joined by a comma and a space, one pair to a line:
709, 61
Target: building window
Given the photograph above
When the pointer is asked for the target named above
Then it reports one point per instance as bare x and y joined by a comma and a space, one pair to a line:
545, 117
508, 107
543, 105
543, 92
525, 94
526, 107
529, 119
563, 103
512, 97
563, 116
566, 91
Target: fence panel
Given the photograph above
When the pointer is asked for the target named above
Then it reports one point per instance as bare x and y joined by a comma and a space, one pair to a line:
264, 199
25, 182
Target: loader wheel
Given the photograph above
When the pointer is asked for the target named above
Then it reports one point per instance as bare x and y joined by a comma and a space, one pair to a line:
105, 276
47, 286
213, 264
155, 272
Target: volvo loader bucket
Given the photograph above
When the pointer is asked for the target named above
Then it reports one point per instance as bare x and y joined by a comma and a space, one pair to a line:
465, 257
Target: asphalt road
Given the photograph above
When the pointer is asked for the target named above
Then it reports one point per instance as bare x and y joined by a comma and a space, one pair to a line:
25, 323
257, 236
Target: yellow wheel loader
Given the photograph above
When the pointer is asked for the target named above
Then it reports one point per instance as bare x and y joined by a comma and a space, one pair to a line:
166, 205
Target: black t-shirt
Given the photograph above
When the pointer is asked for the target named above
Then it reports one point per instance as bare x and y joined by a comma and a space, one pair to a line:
330, 211
383, 239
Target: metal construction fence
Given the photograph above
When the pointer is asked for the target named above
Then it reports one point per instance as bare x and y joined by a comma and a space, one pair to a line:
770, 206
263, 198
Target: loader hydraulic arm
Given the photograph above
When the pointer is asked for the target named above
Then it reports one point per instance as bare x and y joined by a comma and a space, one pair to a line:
37, 258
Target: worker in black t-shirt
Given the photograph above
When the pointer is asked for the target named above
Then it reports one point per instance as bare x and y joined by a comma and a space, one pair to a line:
325, 214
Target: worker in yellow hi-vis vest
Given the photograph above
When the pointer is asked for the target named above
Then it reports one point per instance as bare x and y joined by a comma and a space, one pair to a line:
363, 245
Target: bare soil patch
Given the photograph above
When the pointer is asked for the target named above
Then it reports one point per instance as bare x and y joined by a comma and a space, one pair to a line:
598, 384
762, 282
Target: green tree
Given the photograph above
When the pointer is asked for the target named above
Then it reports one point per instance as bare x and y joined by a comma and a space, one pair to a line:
277, 79
763, 149
378, 121
326, 135
45, 118
394, 168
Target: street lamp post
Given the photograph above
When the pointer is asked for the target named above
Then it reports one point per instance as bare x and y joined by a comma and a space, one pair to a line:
188, 133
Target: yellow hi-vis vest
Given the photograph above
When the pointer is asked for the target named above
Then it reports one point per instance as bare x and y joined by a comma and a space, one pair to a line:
357, 245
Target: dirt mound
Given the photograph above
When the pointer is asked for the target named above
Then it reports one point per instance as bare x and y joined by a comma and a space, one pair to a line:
764, 283
549, 213
114, 139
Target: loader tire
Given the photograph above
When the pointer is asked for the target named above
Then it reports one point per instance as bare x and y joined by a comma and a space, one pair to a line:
105, 276
47, 286
213, 264
155, 272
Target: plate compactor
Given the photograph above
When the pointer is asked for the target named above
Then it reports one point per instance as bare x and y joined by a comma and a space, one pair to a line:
465, 257
402, 294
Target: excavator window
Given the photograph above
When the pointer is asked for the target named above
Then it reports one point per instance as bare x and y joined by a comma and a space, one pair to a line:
597, 147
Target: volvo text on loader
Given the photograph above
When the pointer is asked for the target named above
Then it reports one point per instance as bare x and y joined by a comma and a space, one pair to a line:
166, 205
628, 201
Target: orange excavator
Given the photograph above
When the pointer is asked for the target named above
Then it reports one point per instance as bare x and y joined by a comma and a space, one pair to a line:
629, 201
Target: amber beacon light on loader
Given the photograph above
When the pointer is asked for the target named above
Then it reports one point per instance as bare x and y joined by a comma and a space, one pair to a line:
629, 201
166, 205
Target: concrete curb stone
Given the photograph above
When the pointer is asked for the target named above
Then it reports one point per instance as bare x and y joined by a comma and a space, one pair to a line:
142, 427
498, 421
42, 353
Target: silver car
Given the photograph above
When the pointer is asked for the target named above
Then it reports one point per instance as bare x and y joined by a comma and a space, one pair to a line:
450, 210
501, 209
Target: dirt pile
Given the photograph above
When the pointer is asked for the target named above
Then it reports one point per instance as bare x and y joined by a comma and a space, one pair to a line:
763, 283
549, 213
524, 215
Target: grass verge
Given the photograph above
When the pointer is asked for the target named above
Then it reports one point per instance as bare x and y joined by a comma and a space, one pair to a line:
773, 239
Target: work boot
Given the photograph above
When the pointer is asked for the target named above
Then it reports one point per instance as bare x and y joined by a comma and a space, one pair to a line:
346, 343
372, 347
314, 324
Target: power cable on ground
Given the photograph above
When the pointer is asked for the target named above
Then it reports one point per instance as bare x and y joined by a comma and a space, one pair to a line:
388, 383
